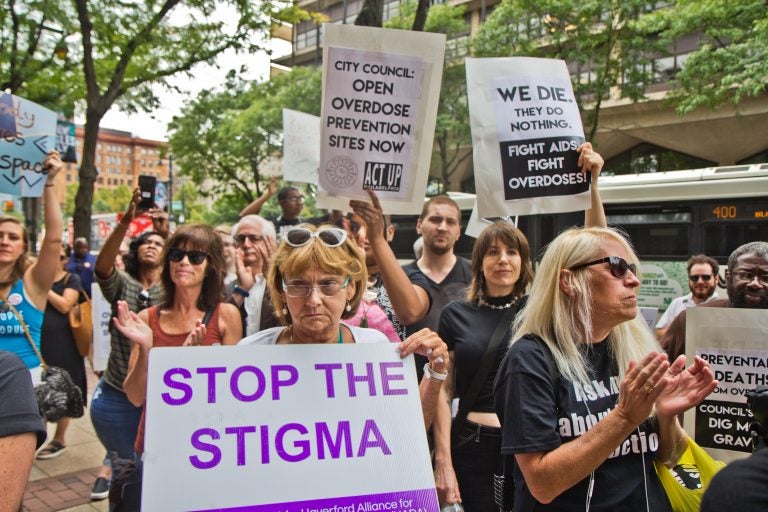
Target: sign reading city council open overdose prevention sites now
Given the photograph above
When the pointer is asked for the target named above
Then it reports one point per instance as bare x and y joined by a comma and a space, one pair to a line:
27, 134
310, 428
380, 94
733, 342
525, 128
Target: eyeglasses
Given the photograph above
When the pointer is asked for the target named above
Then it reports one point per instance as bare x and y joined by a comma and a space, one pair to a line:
619, 266
295, 199
704, 277
328, 289
254, 239
299, 237
747, 276
143, 299
194, 257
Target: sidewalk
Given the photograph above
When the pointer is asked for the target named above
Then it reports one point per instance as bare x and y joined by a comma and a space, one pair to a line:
64, 483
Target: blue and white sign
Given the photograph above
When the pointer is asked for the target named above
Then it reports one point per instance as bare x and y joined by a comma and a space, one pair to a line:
161, 195
27, 134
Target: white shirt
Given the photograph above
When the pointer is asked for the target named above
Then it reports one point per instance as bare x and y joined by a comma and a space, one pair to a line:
253, 304
678, 305
269, 336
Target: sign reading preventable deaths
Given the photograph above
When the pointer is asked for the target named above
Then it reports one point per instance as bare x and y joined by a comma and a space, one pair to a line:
380, 93
285, 428
27, 134
525, 129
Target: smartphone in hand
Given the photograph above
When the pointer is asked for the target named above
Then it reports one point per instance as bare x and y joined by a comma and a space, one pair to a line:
147, 187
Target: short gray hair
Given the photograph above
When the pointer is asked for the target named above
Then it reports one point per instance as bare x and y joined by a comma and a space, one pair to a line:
753, 248
267, 228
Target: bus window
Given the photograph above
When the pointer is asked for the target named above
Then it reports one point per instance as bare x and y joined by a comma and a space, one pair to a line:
720, 239
659, 241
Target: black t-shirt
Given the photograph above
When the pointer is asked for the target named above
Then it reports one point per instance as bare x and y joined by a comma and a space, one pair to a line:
453, 287
18, 405
537, 418
742, 485
467, 329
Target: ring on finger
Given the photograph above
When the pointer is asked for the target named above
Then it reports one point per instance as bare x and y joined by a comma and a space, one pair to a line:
649, 388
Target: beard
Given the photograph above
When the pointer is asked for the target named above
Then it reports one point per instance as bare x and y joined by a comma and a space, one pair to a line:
702, 294
738, 298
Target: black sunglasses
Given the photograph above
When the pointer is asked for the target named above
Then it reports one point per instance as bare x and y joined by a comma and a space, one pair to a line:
195, 257
619, 266
704, 277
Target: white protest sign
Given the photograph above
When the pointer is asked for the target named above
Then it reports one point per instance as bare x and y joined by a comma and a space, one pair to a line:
301, 146
380, 93
27, 133
476, 224
733, 342
285, 428
525, 128
101, 317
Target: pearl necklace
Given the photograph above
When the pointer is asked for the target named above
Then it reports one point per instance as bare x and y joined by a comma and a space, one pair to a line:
481, 302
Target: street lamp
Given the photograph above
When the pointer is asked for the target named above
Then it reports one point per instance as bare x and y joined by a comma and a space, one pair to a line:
170, 186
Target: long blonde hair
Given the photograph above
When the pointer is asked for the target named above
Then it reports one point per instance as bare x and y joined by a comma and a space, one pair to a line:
565, 321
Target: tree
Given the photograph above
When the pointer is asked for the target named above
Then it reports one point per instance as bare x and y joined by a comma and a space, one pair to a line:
732, 62
35, 58
221, 139
127, 48
112, 200
602, 41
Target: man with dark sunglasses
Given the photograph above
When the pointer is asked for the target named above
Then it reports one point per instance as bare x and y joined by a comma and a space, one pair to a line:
746, 281
255, 242
291, 201
702, 282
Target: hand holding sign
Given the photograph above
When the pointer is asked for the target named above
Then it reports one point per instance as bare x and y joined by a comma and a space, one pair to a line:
589, 160
53, 164
371, 214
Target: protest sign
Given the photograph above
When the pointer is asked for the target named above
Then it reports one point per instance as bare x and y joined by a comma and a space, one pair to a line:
285, 428
525, 128
732, 341
66, 143
301, 146
27, 134
380, 93
476, 224
101, 317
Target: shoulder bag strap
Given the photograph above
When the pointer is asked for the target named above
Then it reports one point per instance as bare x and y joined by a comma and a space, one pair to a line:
26, 331
468, 401
208, 315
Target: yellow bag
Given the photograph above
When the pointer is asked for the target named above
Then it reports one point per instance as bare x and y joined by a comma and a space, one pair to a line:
694, 469
81, 325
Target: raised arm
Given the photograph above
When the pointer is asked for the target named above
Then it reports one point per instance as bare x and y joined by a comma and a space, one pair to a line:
40, 276
410, 302
590, 160
105, 262
255, 206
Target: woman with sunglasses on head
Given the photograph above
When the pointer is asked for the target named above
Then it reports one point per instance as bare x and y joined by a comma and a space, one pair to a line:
58, 345
115, 419
585, 385
316, 278
192, 312
477, 331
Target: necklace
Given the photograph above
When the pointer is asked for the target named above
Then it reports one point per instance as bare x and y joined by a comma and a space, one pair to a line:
482, 302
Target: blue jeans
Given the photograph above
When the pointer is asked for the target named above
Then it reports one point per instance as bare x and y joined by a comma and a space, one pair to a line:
115, 419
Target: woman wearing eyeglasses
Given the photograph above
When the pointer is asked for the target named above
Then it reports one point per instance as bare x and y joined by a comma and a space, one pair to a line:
316, 278
585, 386
192, 312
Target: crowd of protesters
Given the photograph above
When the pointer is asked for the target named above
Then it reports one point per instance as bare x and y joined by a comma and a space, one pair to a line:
513, 348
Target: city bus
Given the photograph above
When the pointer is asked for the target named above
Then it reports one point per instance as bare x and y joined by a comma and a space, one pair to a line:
668, 216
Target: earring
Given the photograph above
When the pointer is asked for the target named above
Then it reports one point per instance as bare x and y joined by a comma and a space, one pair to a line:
348, 307
285, 311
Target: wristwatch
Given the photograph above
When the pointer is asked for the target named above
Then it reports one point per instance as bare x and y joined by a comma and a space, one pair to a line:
241, 292
429, 373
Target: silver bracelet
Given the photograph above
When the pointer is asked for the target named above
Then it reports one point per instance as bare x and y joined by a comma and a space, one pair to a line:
429, 373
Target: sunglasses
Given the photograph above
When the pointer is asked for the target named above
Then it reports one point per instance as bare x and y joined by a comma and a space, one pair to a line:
331, 237
194, 257
303, 290
618, 265
704, 277
254, 239
143, 299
